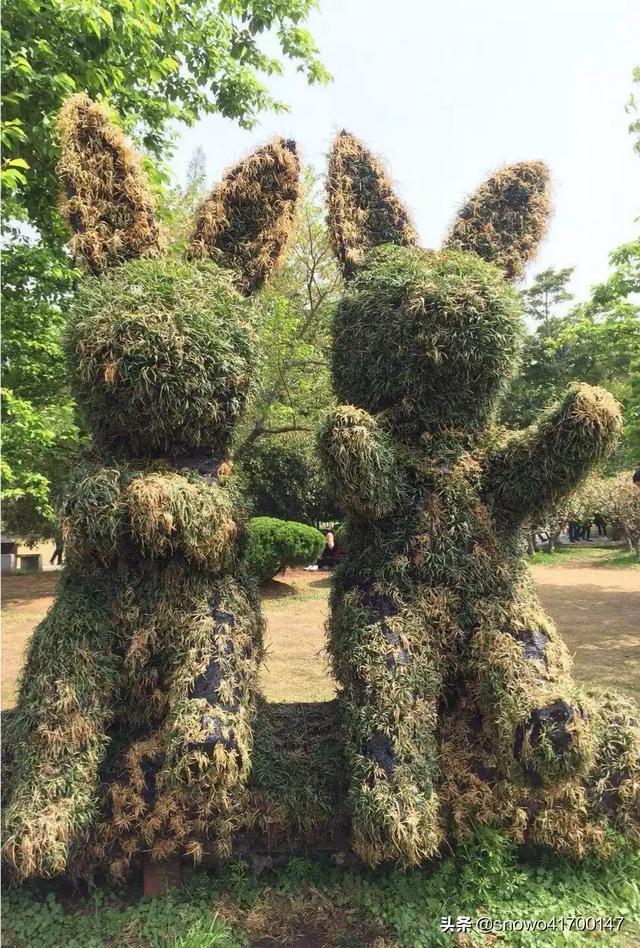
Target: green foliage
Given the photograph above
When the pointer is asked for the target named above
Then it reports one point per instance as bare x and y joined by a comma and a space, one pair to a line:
171, 922
597, 557
597, 342
162, 356
293, 324
275, 544
40, 435
487, 876
39, 444
548, 290
36, 287
154, 62
426, 373
456, 695
282, 478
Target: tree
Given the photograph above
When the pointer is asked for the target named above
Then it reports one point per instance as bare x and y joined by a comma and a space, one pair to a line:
582, 505
196, 181
40, 431
37, 454
597, 341
155, 62
541, 377
294, 329
547, 291
621, 506
283, 478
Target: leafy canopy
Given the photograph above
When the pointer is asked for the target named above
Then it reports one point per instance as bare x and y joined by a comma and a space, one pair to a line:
597, 341
154, 60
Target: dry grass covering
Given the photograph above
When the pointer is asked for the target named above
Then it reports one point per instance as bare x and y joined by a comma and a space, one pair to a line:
364, 211
506, 218
133, 730
456, 695
247, 221
106, 198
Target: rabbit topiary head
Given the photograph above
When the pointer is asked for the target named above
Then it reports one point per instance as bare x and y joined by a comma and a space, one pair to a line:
429, 338
162, 350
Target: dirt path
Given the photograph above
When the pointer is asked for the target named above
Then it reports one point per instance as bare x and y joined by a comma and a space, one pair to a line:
597, 611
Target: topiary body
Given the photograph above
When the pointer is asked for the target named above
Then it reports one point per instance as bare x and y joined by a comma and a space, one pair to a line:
135, 713
456, 696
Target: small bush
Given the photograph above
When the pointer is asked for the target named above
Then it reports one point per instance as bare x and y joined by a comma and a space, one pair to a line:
274, 544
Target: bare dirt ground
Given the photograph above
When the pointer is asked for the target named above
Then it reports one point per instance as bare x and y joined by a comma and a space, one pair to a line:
597, 610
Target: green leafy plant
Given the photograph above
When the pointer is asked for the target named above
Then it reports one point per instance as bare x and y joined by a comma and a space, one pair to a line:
275, 544
456, 695
338, 907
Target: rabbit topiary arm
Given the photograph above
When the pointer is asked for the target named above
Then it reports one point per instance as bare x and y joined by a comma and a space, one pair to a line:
170, 513
538, 466
360, 462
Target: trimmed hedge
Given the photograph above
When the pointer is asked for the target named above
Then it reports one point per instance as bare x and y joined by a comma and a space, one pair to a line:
274, 544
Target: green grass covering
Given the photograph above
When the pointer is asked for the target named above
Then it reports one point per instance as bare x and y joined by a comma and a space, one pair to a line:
133, 729
162, 356
604, 557
337, 908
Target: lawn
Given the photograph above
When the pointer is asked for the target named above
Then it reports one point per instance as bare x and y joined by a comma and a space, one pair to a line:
608, 557
594, 597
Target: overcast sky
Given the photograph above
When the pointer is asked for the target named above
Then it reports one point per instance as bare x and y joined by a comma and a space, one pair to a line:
447, 90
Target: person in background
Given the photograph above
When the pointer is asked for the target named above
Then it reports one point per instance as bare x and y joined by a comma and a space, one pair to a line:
58, 548
574, 531
328, 558
601, 524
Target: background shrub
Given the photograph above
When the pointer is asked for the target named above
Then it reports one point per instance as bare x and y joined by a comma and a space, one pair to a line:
274, 544
282, 478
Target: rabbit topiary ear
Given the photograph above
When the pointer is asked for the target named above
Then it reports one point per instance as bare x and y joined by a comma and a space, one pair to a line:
246, 222
364, 211
106, 198
506, 218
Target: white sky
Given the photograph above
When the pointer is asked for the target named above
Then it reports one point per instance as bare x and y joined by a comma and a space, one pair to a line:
447, 90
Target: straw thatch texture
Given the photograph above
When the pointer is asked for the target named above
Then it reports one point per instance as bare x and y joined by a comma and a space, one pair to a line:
106, 199
506, 218
151, 643
456, 695
247, 221
364, 211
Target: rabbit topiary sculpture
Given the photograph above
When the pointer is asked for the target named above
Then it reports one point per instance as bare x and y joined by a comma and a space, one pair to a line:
456, 695
141, 681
